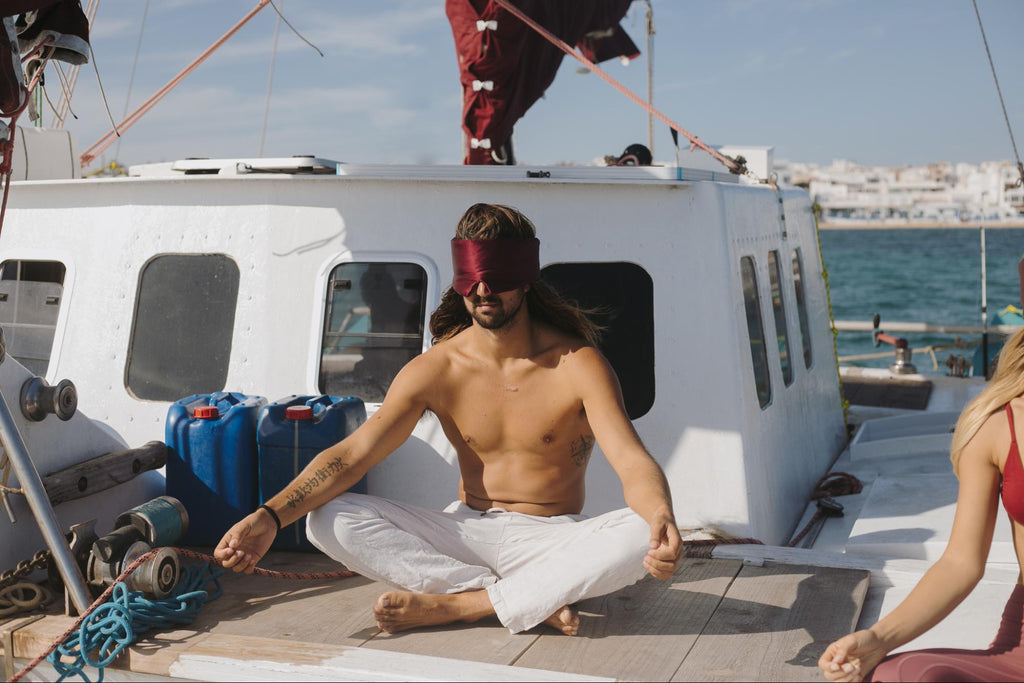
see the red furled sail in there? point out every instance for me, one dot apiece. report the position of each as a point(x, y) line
point(504, 66)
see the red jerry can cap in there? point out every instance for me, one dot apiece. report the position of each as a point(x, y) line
point(298, 413)
point(206, 413)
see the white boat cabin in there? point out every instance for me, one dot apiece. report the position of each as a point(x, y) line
point(302, 276)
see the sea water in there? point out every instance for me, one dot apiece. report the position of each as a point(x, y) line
point(919, 275)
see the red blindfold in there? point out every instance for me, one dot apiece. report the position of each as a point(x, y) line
point(501, 264)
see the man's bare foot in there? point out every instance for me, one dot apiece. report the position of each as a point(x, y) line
point(401, 611)
point(565, 620)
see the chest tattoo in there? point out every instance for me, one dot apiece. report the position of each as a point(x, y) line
point(580, 449)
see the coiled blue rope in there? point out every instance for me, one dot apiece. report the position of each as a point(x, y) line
point(116, 624)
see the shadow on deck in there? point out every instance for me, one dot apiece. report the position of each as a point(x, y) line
point(715, 620)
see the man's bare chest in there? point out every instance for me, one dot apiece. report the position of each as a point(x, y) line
point(534, 412)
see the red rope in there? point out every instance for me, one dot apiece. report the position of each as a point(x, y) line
point(728, 162)
point(270, 573)
point(135, 565)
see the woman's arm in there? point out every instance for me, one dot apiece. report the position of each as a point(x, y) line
point(948, 581)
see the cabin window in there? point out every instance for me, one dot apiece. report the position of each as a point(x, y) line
point(779, 311)
point(801, 305)
point(755, 330)
point(622, 297)
point(30, 296)
point(184, 319)
point(373, 326)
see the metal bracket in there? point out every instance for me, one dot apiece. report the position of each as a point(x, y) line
point(43, 512)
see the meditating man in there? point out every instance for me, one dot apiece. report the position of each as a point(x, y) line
point(523, 395)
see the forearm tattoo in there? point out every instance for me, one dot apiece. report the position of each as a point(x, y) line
point(320, 476)
point(580, 449)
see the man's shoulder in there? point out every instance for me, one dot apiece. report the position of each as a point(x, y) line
point(552, 339)
point(433, 360)
point(585, 359)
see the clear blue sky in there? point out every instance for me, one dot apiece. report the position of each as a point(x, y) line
point(874, 81)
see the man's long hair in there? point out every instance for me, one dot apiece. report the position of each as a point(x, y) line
point(544, 303)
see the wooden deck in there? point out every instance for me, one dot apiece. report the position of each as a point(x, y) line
point(715, 620)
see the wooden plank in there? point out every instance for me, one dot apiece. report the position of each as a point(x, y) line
point(336, 611)
point(233, 658)
point(642, 632)
point(484, 641)
point(774, 623)
point(37, 637)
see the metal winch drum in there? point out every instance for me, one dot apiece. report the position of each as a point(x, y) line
point(154, 524)
point(162, 521)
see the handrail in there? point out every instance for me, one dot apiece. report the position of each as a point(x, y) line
point(937, 328)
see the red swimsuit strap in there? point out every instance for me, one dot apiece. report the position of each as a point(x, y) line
point(1013, 434)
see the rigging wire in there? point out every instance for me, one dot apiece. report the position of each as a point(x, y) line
point(991, 64)
point(270, 80)
point(649, 28)
point(65, 92)
point(64, 104)
point(97, 147)
point(86, 157)
point(131, 78)
point(294, 30)
point(103, 94)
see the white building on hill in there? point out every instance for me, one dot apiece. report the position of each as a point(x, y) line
point(936, 194)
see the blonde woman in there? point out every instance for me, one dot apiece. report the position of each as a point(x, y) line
point(987, 460)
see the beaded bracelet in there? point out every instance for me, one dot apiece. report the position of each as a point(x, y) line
point(273, 515)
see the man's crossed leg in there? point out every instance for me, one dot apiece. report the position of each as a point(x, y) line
point(461, 564)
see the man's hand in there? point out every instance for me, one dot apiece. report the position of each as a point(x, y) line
point(665, 549)
point(246, 542)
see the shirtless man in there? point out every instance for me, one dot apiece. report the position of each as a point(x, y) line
point(522, 394)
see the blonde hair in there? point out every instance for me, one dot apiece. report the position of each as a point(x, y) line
point(1006, 384)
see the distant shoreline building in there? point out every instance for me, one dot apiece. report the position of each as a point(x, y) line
point(935, 195)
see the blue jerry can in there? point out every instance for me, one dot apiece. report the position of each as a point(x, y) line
point(290, 433)
point(212, 461)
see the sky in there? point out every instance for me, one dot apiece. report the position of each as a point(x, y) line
point(877, 82)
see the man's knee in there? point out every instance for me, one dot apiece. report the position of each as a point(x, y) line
point(627, 531)
point(333, 522)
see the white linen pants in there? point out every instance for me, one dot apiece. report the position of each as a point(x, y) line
point(530, 566)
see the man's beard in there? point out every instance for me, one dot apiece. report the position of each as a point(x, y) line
point(500, 318)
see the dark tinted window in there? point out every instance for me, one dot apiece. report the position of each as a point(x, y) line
point(184, 319)
point(373, 326)
point(779, 311)
point(623, 295)
point(755, 330)
point(801, 305)
point(30, 296)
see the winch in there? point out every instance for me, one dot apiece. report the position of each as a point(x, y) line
point(155, 524)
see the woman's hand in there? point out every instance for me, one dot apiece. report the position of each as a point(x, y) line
point(852, 657)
